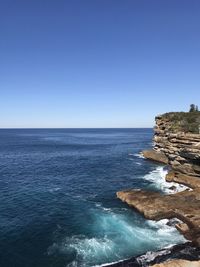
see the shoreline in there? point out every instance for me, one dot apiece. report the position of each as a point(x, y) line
point(179, 151)
point(181, 205)
point(167, 252)
point(183, 251)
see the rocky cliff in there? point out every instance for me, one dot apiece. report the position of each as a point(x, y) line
point(177, 144)
point(181, 148)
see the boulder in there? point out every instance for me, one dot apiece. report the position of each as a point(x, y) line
point(156, 156)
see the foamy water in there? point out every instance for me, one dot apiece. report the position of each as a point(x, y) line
point(120, 235)
point(157, 178)
point(58, 204)
point(124, 234)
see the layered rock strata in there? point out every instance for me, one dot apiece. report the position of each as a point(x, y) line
point(155, 156)
point(154, 206)
point(189, 181)
point(181, 149)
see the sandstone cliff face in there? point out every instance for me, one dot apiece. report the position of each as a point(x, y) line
point(182, 149)
point(176, 143)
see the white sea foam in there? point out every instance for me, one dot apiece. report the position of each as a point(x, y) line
point(51, 190)
point(107, 209)
point(87, 250)
point(157, 177)
point(138, 155)
point(117, 235)
point(162, 228)
point(114, 237)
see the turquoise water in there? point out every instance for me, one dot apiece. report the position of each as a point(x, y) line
point(58, 204)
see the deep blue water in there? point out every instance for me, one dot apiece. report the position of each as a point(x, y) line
point(58, 204)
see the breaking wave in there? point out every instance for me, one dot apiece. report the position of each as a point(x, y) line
point(157, 178)
point(138, 155)
point(115, 235)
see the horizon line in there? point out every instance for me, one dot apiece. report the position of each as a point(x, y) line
point(15, 128)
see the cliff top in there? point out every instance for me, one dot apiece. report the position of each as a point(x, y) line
point(188, 122)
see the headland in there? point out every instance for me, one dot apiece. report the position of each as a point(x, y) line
point(176, 144)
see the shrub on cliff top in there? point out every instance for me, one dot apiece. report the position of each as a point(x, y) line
point(193, 108)
point(187, 122)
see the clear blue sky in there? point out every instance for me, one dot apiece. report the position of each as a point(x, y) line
point(97, 63)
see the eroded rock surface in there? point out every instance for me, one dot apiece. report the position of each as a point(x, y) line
point(190, 181)
point(181, 149)
point(177, 145)
point(155, 155)
point(154, 206)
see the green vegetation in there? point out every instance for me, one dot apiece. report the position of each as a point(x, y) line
point(188, 122)
point(193, 108)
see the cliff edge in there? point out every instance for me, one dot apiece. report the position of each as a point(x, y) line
point(177, 144)
point(178, 139)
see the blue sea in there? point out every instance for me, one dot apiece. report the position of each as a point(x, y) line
point(58, 204)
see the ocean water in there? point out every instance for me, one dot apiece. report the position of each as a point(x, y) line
point(58, 204)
